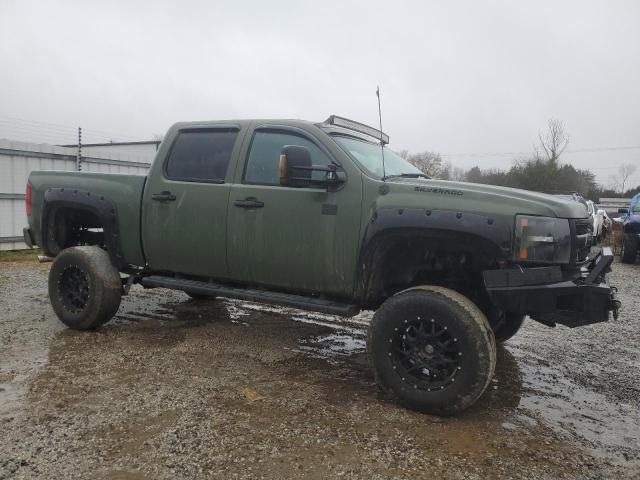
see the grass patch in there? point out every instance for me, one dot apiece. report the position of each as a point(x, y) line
point(19, 255)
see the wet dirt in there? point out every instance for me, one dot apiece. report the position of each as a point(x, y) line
point(177, 388)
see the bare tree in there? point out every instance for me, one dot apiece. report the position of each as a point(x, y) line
point(457, 173)
point(428, 162)
point(448, 171)
point(624, 172)
point(552, 142)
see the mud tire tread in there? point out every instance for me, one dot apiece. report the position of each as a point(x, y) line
point(105, 287)
point(478, 329)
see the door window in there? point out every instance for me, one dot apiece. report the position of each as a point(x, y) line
point(201, 155)
point(263, 160)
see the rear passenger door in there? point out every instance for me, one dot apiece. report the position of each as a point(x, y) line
point(185, 203)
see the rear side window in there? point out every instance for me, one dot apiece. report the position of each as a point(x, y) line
point(263, 161)
point(201, 155)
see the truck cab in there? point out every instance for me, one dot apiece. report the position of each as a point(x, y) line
point(216, 208)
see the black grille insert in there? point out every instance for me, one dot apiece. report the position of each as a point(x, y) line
point(582, 232)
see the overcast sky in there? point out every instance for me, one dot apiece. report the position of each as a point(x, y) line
point(465, 79)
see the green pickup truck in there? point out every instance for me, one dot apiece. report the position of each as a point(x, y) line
point(325, 217)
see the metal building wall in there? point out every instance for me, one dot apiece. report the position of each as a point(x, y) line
point(134, 149)
point(18, 159)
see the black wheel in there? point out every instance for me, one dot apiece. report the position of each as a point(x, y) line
point(200, 296)
point(629, 248)
point(433, 349)
point(504, 324)
point(84, 287)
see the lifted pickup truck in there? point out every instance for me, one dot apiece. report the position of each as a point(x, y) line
point(324, 217)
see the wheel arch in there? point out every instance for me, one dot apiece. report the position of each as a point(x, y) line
point(402, 249)
point(67, 211)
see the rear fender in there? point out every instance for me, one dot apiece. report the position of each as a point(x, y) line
point(98, 205)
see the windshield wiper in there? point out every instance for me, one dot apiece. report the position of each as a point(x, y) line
point(407, 175)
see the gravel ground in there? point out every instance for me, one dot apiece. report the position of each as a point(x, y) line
point(174, 388)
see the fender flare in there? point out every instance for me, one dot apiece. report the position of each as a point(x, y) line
point(389, 224)
point(100, 206)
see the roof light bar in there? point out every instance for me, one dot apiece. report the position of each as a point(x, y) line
point(358, 127)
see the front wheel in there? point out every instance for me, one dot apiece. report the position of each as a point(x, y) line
point(84, 287)
point(433, 349)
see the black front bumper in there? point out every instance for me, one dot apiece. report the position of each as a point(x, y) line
point(551, 295)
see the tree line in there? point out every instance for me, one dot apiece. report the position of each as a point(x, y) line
point(543, 171)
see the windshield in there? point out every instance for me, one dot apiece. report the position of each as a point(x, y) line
point(369, 156)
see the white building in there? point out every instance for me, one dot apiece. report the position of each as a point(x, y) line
point(18, 159)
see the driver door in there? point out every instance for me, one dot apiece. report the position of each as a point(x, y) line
point(301, 239)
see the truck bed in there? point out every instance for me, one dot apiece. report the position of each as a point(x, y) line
point(124, 191)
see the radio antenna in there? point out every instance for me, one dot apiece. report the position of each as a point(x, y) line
point(384, 173)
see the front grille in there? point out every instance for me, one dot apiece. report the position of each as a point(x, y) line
point(582, 236)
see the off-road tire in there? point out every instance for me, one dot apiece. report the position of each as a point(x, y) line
point(505, 325)
point(629, 249)
point(84, 287)
point(466, 326)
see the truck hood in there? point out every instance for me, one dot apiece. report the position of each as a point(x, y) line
point(478, 198)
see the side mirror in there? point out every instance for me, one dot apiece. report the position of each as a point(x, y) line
point(295, 166)
point(295, 169)
point(623, 210)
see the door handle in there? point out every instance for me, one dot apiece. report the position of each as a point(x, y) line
point(163, 197)
point(249, 202)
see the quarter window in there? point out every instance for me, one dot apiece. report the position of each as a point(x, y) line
point(201, 155)
point(262, 164)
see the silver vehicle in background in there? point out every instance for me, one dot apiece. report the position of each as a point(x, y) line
point(597, 216)
point(607, 223)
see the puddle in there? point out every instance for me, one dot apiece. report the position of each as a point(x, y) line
point(575, 411)
point(532, 390)
point(528, 391)
point(9, 395)
point(526, 384)
point(20, 362)
point(333, 345)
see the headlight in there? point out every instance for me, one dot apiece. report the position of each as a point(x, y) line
point(542, 240)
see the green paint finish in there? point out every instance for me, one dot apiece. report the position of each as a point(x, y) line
point(189, 234)
point(301, 239)
point(124, 191)
point(294, 242)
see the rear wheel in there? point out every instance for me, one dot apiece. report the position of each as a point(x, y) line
point(629, 248)
point(433, 349)
point(84, 287)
